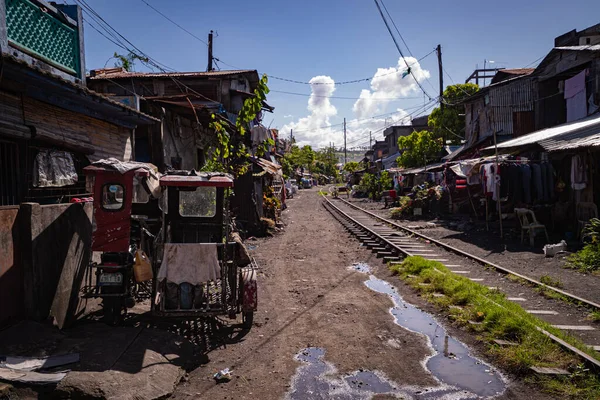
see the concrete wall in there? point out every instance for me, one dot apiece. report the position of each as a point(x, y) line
point(11, 272)
point(51, 248)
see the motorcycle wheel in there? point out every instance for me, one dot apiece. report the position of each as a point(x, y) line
point(247, 319)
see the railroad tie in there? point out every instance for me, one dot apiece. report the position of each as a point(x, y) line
point(476, 279)
point(460, 272)
point(550, 371)
point(542, 312)
point(574, 327)
point(515, 299)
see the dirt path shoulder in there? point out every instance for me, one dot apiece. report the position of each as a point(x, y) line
point(309, 298)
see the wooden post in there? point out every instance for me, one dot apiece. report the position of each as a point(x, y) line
point(497, 184)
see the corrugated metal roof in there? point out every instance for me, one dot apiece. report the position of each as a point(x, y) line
point(428, 168)
point(572, 134)
point(112, 74)
point(84, 90)
point(595, 47)
point(517, 71)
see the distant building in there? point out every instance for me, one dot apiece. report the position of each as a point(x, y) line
point(586, 37)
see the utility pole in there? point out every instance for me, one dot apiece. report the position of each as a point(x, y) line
point(370, 139)
point(210, 52)
point(291, 137)
point(441, 73)
point(345, 152)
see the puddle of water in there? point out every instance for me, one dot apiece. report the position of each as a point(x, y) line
point(361, 267)
point(318, 379)
point(452, 364)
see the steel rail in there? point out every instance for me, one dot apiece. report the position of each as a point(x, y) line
point(446, 246)
point(585, 357)
point(370, 231)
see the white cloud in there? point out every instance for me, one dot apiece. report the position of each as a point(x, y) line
point(288, 116)
point(386, 84)
point(316, 129)
point(321, 110)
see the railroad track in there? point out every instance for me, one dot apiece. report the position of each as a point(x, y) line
point(392, 242)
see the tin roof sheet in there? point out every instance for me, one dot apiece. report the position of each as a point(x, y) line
point(571, 134)
point(112, 74)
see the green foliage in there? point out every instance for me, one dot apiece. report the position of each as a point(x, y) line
point(592, 230)
point(503, 319)
point(586, 259)
point(373, 184)
point(385, 181)
point(370, 184)
point(127, 62)
point(231, 155)
point(450, 124)
point(352, 166)
point(418, 149)
point(321, 162)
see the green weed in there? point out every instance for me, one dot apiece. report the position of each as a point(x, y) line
point(594, 316)
point(501, 319)
point(550, 281)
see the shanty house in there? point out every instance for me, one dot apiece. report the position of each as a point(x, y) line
point(184, 102)
point(51, 126)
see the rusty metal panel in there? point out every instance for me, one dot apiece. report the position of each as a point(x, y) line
point(523, 123)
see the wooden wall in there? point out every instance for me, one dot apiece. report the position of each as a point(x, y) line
point(63, 128)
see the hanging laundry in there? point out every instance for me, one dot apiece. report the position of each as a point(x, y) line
point(514, 183)
point(578, 173)
point(526, 180)
point(54, 168)
point(576, 97)
point(549, 182)
point(536, 176)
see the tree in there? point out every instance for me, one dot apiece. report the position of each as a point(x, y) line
point(352, 166)
point(418, 148)
point(127, 62)
point(450, 124)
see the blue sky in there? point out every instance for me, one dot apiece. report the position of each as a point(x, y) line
point(340, 40)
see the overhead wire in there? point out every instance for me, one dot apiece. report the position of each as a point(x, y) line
point(420, 109)
point(350, 81)
point(356, 120)
point(402, 38)
point(400, 50)
point(151, 62)
point(174, 23)
point(342, 97)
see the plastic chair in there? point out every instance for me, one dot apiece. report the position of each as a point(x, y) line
point(585, 212)
point(530, 224)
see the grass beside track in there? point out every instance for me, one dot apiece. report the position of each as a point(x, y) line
point(497, 318)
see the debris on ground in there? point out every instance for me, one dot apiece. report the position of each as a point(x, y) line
point(550, 250)
point(223, 375)
point(36, 363)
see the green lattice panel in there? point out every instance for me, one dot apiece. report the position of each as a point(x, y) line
point(42, 34)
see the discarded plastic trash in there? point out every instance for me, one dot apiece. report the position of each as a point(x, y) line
point(35, 363)
point(550, 250)
point(223, 375)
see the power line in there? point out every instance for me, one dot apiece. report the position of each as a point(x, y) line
point(420, 109)
point(145, 58)
point(346, 82)
point(400, 50)
point(343, 98)
point(357, 120)
point(174, 23)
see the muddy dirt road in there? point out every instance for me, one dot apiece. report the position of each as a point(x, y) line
point(311, 297)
